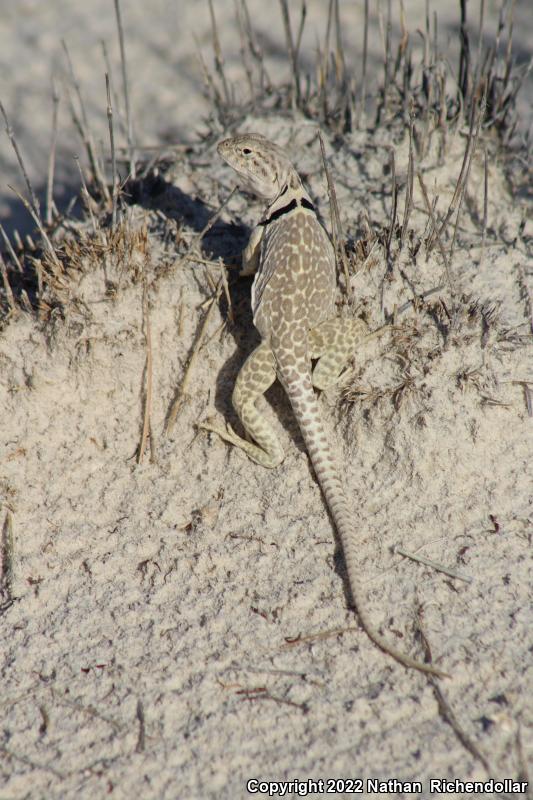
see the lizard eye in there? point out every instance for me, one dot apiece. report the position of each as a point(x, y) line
point(246, 151)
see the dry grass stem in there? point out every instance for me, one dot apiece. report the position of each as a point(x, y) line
point(148, 371)
point(141, 740)
point(336, 226)
point(431, 214)
point(428, 563)
point(219, 59)
point(6, 559)
point(10, 250)
point(125, 87)
point(52, 158)
point(82, 126)
point(113, 158)
point(446, 711)
point(87, 200)
point(408, 205)
point(11, 135)
point(7, 287)
point(362, 102)
point(48, 246)
point(295, 80)
point(394, 207)
point(182, 390)
point(215, 217)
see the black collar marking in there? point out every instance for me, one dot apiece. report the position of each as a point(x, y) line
point(303, 203)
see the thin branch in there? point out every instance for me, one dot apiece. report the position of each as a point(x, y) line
point(11, 135)
point(182, 390)
point(47, 243)
point(446, 712)
point(336, 226)
point(408, 206)
point(362, 108)
point(219, 59)
point(295, 78)
point(83, 128)
point(52, 158)
point(6, 558)
point(429, 563)
point(146, 429)
point(394, 208)
point(113, 159)
point(7, 287)
point(125, 85)
point(439, 240)
point(10, 249)
point(85, 194)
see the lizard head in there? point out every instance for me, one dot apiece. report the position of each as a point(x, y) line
point(263, 167)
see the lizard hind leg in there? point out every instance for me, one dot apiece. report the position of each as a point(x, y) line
point(332, 343)
point(256, 376)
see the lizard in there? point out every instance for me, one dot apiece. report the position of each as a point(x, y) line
point(293, 303)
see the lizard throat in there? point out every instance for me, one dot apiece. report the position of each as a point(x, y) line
point(280, 212)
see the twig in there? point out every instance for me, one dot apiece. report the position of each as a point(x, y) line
point(336, 227)
point(148, 369)
point(125, 86)
point(439, 240)
point(182, 390)
point(192, 254)
point(447, 571)
point(113, 159)
point(214, 218)
point(317, 637)
point(394, 207)
point(11, 135)
point(485, 206)
point(527, 395)
point(219, 59)
point(52, 158)
point(139, 747)
point(254, 47)
point(245, 50)
point(303, 15)
point(481, 114)
point(6, 558)
point(460, 188)
point(446, 711)
point(408, 206)
point(323, 66)
point(47, 243)
point(10, 249)
point(85, 194)
point(28, 762)
point(362, 107)
point(114, 94)
point(83, 128)
point(295, 77)
point(7, 287)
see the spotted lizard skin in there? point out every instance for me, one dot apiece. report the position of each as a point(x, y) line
point(293, 302)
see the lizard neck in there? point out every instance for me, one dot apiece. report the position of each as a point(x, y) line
point(292, 195)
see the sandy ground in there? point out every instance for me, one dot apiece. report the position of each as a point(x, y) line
point(182, 626)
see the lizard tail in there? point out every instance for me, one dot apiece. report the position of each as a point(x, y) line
point(307, 412)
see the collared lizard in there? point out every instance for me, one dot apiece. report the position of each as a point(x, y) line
point(293, 302)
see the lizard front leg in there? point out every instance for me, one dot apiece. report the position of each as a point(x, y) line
point(251, 253)
point(256, 376)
